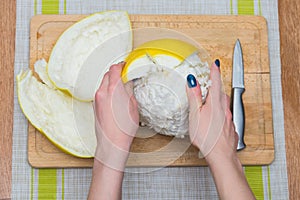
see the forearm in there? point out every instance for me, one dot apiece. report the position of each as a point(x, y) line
point(106, 182)
point(230, 180)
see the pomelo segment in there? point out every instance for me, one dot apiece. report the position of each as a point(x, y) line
point(69, 67)
point(66, 122)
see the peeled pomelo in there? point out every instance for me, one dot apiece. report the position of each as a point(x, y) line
point(84, 51)
point(159, 69)
point(65, 121)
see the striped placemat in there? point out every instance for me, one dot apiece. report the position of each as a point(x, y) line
point(267, 182)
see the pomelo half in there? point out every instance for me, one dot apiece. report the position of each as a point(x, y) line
point(66, 122)
point(85, 50)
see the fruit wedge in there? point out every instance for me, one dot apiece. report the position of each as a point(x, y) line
point(84, 51)
point(67, 122)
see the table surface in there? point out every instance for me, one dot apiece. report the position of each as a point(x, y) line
point(290, 63)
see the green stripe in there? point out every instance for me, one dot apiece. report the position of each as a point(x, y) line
point(269, 183)
point(35, 7)
point(259, 7)
point(47, 184)
point(255, 180)
point(231, 7)
point(65, 6)
point(63, 183)
point(50, 6)
point(245, 7)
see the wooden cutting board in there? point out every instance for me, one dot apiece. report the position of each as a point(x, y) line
point(217, 34)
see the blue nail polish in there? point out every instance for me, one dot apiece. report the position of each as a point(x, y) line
point(191, 80)
point(217, 62)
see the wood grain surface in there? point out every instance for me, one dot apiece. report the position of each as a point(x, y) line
point(7, 45)
point(290, 46)
point(217, 34)
point(289, 22)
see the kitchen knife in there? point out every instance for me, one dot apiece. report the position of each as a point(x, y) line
point(238, 88)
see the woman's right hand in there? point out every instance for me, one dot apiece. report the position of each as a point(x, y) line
point(211, 129)
point(210, 124)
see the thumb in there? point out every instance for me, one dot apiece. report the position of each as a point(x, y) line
point(194, 93)
point(129, 88)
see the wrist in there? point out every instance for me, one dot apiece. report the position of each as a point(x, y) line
point(112, 155)
point(115, 162)
point(229, 177)
point(223, 161)
point(101, 168)
point(106, 182)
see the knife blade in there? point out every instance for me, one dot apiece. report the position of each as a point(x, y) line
point(238, 89)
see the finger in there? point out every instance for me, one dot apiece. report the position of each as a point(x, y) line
point(227, 108)
point(103, 86)
point(194, 93)
point(129, 88)
point(115, 73)
point(236, 140)
point(105, 82)
point(217, 63)
point(215, 78)
point(227, 101)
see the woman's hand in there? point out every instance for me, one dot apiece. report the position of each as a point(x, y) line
point(211, 130)
point(117, 119)
point(210, 125)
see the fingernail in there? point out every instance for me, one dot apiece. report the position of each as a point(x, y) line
point(191, 80)
point(122, 62)
point(217, 62)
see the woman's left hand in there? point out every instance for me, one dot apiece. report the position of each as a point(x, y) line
point(116, 118)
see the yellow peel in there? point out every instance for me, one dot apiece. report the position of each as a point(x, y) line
point(168, 47)
point(51, 112)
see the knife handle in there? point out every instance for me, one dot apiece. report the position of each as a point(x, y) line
point(239, 116)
